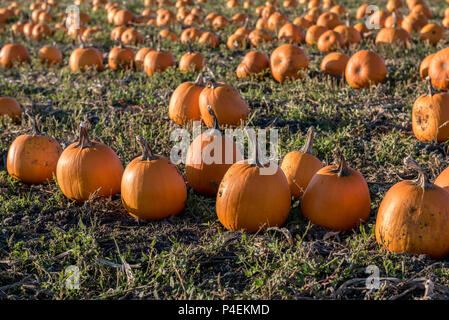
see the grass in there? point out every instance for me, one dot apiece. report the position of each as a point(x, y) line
point(192, 255)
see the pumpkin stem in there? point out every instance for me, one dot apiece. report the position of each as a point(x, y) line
point(13, 37)
point(215, 124)
point(32, 118)
point(83, 136)
point(255, 144)
point(147, 154)
point(199, 80)
point(343, 169)
point(308, 146)
point(83, 44)
point(348, 23)
point(430, 88)
point(422, 180)
point(211, 83)
point(159, 43)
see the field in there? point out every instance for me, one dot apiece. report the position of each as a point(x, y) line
point(192, 256)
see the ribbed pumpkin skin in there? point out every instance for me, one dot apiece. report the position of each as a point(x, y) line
point(32, 158)
point(202, 175)
point(153, 189)
point(414, 220)
point(247, 200)
point(229, 106)
point(299, 168)
point(184, 103)
point(334, 202)
point(81, 171)
point(429, 114)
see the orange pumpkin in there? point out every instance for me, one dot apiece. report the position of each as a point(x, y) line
point(168, 34)
point(330, 41)
point(208, 158)
point(228, 105)
point(131, 37)
point(50, 56)
point(257, 37)
point(13, 53)
point(393, 36)
point(439, 69)
point(424, 66)
point(413, 217)
point(236, 42)
point(32, 158)
point(209, 39)
point(443, 180)
point(287, 61)
point(300, 166)
point(158, 61)
point(430, 117)
point(11, 108)
point(335, 63)
point(314, 33)
point(303, 23)
point(276, 21)
point(329, 20)
point(85, 58)
point(140, 57)
point(184, 104)
point(291, 33)
point(123, 17)
point(152, 186)
point(365, 68)
point(88, 167)
point(337, 197)
point(349, 34)
point(431, 33)
point(253, 63)
point(121, 57)
point(250, 200)
point(116, 33)
point(192, 61)
point(190, 35)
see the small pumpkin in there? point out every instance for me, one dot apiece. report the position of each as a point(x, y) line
point(168, 35)
point(192, 61)
point(250, 200)
point(123, 17)
point(9, 107)
point(13, 53)
point(287, 61)
point(300, 166)
point(257, 37)
point(116, 33)
point(190, 35)
point(88, 167)
point(291, 33)
point(303, 23)
point(276, 20)
point(236, 42)
point(84, 58)
point(131, 36)
point(393, 36)
point(314, 33)
point(439, 69)
point(430, 117)
point(431, 33)
point(152, 186)
point(121, 57)
point(32, 157)
point(329, 20)
point(365, 68)
point(158, 61)
point(413, 217)
point(50, 55)
point(337, 197)
point(228, 105)
point(334, 63)
point(330, 41)
point(184, 102)
point(209, 39)
point(208, 158)
point(140, 57)
point(253, 63)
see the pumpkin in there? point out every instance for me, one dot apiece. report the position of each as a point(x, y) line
point(300, 166)
point(244, 30)
point(335, 63)
point(249, 199)
point(227, 103)
point(394, 5)
point(431, 33)
point(377, 19)
point(443, 180)
point(168, 34)
point(253, 63)
point(184, 102)
point(45, 17)
point(291, 33)
point(424, 66)
point(152, 186)
point(49, 55)
point(329, 20)
point(192, 19)
point(192, 61)
point(131, 37)
point(303, 23)
point(394, 20)
point(208, 158)
point(422, 9)
point(165, 17)
point(349, 34)
point(239, 19)
point(337, 197)
point(287, 61)
point(32, 158)
point(267, 11)
point(365, 68)
point(190, 35)
point(11, 108)
point(209, 39)
point(220, 22)
point(363, 30)
point(314, 33)
point(257, 37)
point(290, 3)
point(140, 57)
point(158, 61)
point(393, 36)
point(414, 22)
point(13, 53)
point(116, 33)
point(210, 17)
point(430, 117)
point(84, 58)
point(236, 42)
point(439, 69)
point(276, 21)
point(262, 24)
point(413, 217)
point(123, 17)
point(330, 41)
point(121, 57)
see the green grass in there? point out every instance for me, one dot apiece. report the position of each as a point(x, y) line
point(192, 255)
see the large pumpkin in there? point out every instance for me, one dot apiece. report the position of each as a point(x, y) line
point(228, 105)
point(249, 200)
point(208, 158)
point(413, 217)
point(88, 166)
point(152, 187)
point(32, 158)
point(184, 102)
point(337, 197)
point(365, 68)
point(430, 117)
point(287, 61)
point(300, 166)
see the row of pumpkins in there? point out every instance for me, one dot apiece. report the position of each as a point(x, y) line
point(413, 216)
